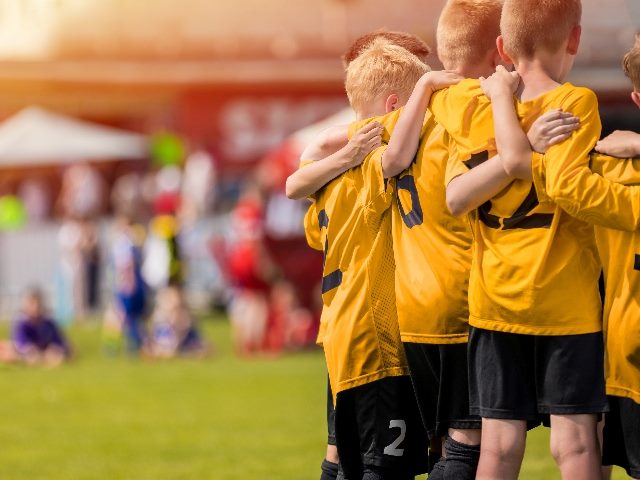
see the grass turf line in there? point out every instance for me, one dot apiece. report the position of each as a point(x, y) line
point(222, 418)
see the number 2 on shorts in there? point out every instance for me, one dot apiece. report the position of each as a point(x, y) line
point(393, 449)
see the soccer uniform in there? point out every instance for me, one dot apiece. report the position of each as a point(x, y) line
point(375, 424)
point(534, 303)
point(621, 265)
point(432, 251)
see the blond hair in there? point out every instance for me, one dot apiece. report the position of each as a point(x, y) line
point(409, 41)
point(631, 64)
point(467, 31)
point(382, 69)
point(528, 25)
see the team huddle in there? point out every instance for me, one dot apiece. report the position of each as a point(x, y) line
point(466, 218)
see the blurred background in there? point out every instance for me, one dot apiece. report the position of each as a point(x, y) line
point(144, 148)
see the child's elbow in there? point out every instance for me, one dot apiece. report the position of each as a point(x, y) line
point(290, 191)
point(457, 206)
point(392, 164)
point(510, 165)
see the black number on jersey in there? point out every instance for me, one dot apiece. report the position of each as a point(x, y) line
point(521, 217)
point(334, 279)
point(414, 217)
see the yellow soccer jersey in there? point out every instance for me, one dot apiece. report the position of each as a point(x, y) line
point(314, 239)
point(620, 255)
point(361, 338)
point(432, 248)
point(535, 267)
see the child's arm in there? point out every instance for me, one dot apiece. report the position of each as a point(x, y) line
point(511, 142)
point(621, 144)
point(338, 154)
point(565, 176)
point(404, 141)
point(470, 190)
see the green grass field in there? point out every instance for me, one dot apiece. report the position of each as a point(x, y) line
point(220, 419)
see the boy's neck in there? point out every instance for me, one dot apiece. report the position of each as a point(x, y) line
point(365, 114)
point(537, 77)
point(474, 71)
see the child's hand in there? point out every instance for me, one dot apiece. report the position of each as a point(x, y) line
point(621, 144)
point(502, 82)
point(438, 79)
point(554, 127)
point(365, 140)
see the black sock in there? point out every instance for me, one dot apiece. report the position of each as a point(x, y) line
point(372, 472)
point(329, 470)
point(462, 460)
point(437, 471)
point(434, 458)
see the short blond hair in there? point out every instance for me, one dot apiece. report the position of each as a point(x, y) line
point(382, 69)
point(409, 41)
point(530, 25)
point(467, 30)
point(631, 64)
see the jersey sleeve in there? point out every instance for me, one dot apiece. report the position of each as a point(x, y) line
point(377, 193)
point(465, 113)
point(570, 183)
point(312, 228)
point(455, 166)
point(625, 171)
point(538, 173)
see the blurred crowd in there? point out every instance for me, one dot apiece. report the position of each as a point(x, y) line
point(143, 252)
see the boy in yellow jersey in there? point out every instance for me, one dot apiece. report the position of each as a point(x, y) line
point(378, 431)
point(534, 301)
point(341, 154)
point(619, 252)
point(432, 248)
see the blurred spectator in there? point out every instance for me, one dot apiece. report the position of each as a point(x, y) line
point(129, 288)
point(36, 196)
point(249, 271)
point(289, 323)
point(80, 263)
point(173, 327)
point(83, 192)
point(81, 201)
point(36, 339)
point(163, 263)
point(198, 186)
point(127, 197)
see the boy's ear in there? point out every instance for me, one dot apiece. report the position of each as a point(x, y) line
point(500, 44)
point(496, 59)
point(574, 40)
point(391, 103)
point(635, 96)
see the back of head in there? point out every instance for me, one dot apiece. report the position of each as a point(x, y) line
point(408, 41)
point(467, 31)
point(33, 302)
point(631, 64)
point(531, 25)
point(381, 70)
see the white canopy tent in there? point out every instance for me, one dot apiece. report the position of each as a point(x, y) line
point(35, 136)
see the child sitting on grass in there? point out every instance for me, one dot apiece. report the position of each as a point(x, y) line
point(174, 332)
point(36, 339)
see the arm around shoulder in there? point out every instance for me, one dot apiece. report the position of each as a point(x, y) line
point(322, 161)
